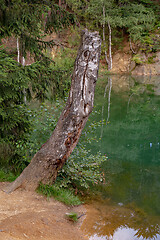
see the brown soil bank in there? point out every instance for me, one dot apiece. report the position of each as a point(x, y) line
point(27, 215)
point(123, 63)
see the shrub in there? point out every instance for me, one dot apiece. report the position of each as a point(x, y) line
point(81, 169)
point(44, 119)
point(136, 58)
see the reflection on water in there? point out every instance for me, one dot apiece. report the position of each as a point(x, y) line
point(122, 233)
point(107, 220)
point(130, 137)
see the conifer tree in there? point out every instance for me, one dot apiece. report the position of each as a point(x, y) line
point(137, 19)
point(29, 22)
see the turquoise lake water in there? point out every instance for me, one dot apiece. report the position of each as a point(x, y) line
point(129, 135)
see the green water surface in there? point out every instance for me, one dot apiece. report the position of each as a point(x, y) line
point(129, 111)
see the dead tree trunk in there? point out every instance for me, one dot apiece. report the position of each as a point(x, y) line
point(53, 154)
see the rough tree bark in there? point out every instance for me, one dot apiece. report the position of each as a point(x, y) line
point(53, 154)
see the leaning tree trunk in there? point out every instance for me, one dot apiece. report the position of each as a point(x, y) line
point(53, 154)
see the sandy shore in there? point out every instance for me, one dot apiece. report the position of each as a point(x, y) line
point(28, 215)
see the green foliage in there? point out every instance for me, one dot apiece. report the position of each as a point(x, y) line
point(81, 169)
point(62, 195)
point(138, 20)
point(78, 7)
point(57, 18)
point(151, 59)
point(31, 21)
point(72, 216)
point(74, 40)
point(14, 117)
point(7, 176)
point(28, 21)
point(63, 69)
point(136, 58)
point(112, 13)
point(151, 42)
point(44, 119)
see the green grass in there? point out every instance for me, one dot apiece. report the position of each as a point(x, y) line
point(6, 176)
point(72, 216)
point(62, 195)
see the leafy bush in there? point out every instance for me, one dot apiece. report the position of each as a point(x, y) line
point(81, 169)
point(44, 119)
point(151, 42)
point(63, 68)
point(136, 58)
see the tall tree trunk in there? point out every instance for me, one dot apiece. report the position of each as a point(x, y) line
point(110, 47)
point(23, 64)
point(24, 90)
point(53, 154)
point(18, 51)
point(108, 59)
point(104, 39)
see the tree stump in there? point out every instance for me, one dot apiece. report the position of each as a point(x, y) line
point(53, 154)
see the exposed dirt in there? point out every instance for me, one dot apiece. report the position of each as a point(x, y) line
point(28, 215)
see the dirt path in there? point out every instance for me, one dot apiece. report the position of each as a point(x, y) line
point(27, 215)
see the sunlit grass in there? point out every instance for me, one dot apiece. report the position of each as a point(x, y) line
point(62, 195)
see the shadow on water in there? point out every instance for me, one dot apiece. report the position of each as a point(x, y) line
point(130, 136)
